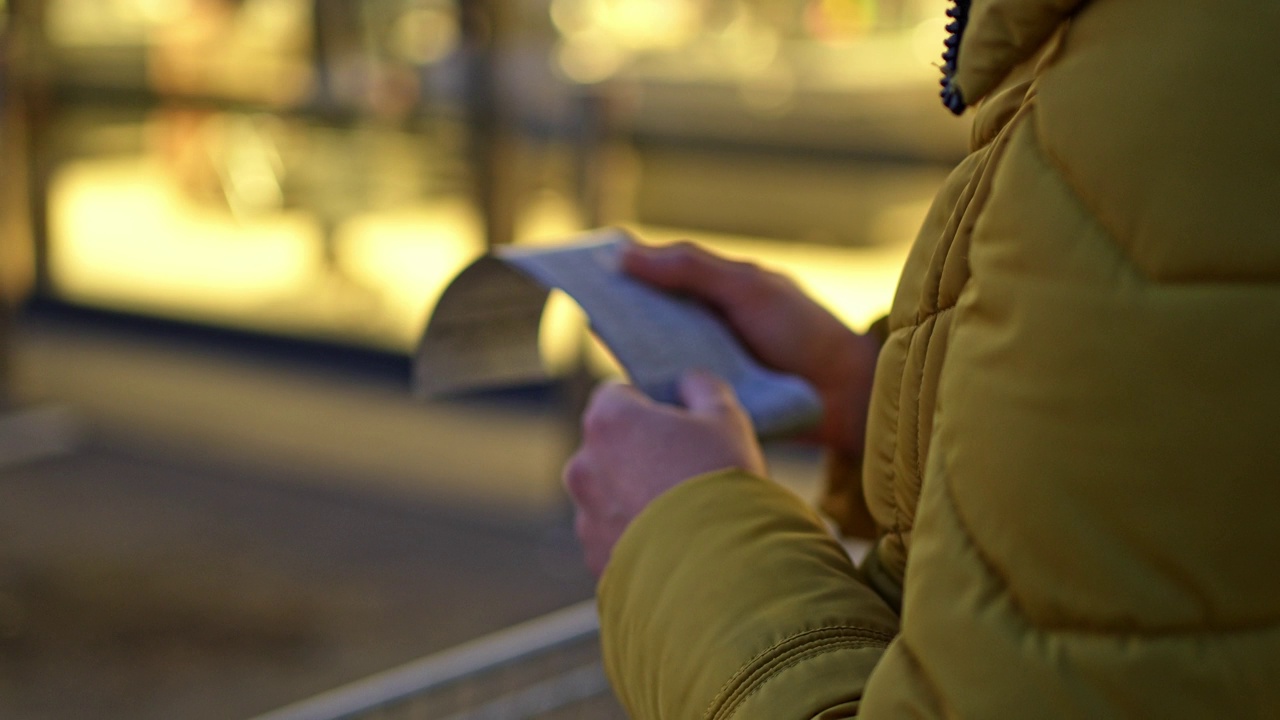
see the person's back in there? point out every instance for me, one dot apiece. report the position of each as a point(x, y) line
point(1098, 481)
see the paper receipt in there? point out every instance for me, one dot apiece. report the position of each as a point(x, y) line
point(484, 331)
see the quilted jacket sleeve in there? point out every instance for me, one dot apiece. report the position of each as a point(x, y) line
point(728, 598)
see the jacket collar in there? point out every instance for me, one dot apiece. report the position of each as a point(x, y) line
point(988, 38)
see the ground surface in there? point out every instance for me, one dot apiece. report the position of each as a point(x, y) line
point(152, 573)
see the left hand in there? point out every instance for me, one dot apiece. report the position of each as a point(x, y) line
point(635, 449)
point(782, 326)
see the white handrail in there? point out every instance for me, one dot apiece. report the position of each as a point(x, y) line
point(504, 647)
point(574, 686)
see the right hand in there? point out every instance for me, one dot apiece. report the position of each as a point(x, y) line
point(634, 449)
point(784, 328)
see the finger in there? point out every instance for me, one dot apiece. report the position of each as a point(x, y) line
point(597, 559)
point(581, 527)
point(704, 394)
point(686, 267)
point(614, 391)
point(610, 403)
point(577, 479)
point(595, 554)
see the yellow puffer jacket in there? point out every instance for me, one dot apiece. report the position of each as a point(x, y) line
point(1073, 453)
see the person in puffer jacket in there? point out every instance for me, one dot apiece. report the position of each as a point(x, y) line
point(1065, 437)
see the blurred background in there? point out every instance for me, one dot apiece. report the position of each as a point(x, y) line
point(223, 225)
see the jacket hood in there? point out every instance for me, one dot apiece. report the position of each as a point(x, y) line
point(991, 37)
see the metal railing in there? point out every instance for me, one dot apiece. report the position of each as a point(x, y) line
point(547, 668)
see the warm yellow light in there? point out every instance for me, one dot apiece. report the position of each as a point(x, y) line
point(563, 339)
point(749, 46)
point(628, 25)
point(547, 219)
point(425, 35)
point(927, 40)
point(589, 57)
point(160, 12)
point(124, 237)
point(409, 256)
point(571, 16)
point(121, 232)
point(650, 24)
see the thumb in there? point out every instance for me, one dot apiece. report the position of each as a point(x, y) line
point(681, 266)
point(688, 268)
point(652, 263)
point(706, 394)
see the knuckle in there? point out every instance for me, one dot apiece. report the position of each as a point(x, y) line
point(596, 563)
point(724, 401)
point(777, 279)
point(576, 477)
point(610, 405)
point(687, 257)
point(595, 417)
point(764, 282)
point(596, 421)
point(748, 282)
point(685, 247)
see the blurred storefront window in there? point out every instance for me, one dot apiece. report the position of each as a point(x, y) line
point(320, 168)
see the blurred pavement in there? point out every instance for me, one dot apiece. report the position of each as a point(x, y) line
point(232, 532)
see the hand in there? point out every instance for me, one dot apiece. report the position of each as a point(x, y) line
point(634, 449)
point(784, 328)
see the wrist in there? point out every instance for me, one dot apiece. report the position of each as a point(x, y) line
point(845, 389)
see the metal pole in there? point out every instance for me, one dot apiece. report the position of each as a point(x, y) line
point(561, 628)
point(491, 142)
point(30, 91)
